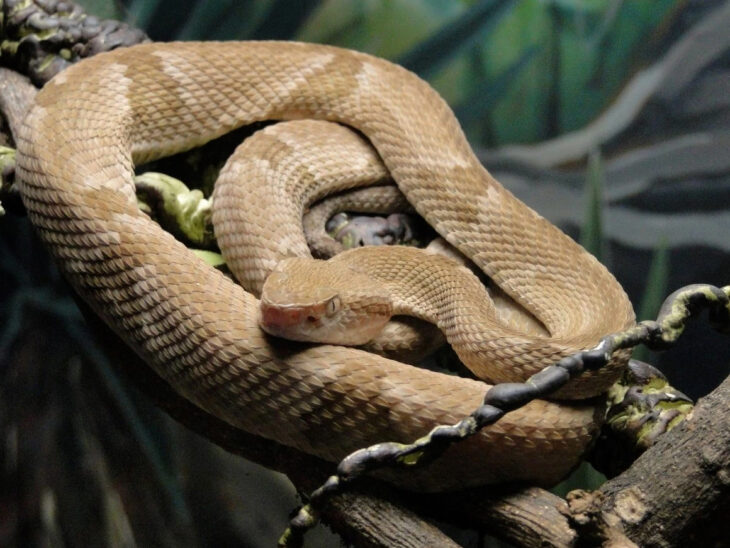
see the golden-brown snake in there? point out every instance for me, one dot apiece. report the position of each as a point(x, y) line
point(198, 330)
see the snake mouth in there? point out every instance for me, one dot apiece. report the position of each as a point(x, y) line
point(284, 316)
point(288, 321)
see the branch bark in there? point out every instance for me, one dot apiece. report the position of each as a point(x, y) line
point(16, 97)
point(677, 493)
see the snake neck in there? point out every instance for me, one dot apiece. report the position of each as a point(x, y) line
point(497, 343)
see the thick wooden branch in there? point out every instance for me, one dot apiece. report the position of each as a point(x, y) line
point(677, 493)
point(530, 517)
point(378, 520)
point(16, 96)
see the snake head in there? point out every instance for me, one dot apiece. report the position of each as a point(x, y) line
point(317, 301)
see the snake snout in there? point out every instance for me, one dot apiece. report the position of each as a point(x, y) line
point(280, 317)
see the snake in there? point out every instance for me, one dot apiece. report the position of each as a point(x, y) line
point(198, 330)
point(281, 170)
point(284, 169)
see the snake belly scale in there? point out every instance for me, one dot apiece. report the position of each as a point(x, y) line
point(198, 330)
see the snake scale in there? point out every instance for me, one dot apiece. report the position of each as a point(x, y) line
point(198, 330)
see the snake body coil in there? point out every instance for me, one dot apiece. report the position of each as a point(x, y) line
point(198, 330)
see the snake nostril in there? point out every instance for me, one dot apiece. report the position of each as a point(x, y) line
point(311, 319)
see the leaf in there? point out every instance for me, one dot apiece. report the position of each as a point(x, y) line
point(142, 12)
point(104, 9)
point(584, 477)
point(210, 257)
point(203, 19)
point(489, 90)
point(283, 18)
point(453, 38)
point(654, 293)
point(591, 235)
point(386, 29)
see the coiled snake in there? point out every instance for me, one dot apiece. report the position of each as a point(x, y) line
point(198, 330)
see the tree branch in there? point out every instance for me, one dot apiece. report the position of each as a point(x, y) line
point(16, 97)
point(677, 493)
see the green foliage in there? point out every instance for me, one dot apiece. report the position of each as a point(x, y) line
point(209, 19)
point(584, 477)
point(591, 235)
point(657, 282)
point(467, 30)
point(573, 55)
point(486, 94)
point(598, 48)
point(106, 9)
point(386, 29)
point(141, 13)
point(592, 239)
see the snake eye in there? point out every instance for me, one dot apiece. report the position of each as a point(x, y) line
point(333, 305)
